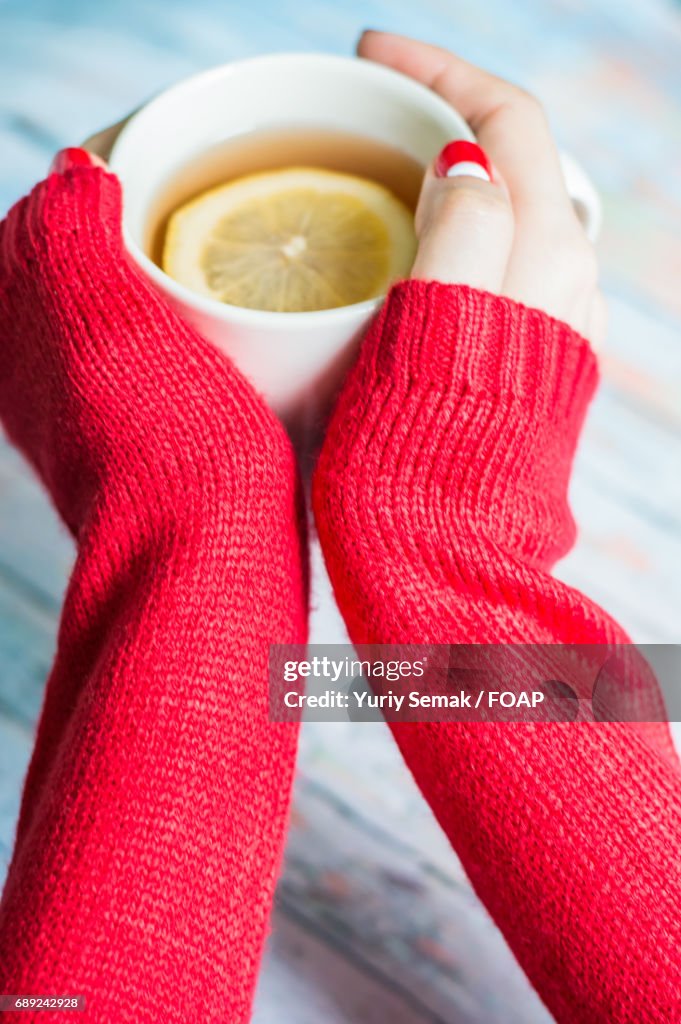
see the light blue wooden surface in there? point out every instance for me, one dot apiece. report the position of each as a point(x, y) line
point(375, 920)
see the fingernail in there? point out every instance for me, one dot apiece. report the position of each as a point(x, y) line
point(463, 158)
point(72, 156)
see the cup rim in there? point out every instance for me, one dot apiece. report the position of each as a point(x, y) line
point(268, 318)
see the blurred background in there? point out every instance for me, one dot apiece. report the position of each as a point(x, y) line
point(375, 920)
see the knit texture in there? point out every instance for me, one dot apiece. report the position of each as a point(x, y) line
point(440, 500)
point(154, 811)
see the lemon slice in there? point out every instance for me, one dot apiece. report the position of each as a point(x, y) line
point(291, 240)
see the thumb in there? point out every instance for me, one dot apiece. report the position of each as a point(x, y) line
point(76, 209)
point(80, 199)
point(464, 221)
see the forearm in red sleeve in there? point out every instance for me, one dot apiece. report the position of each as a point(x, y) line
point(154, 812)
point(441, 503)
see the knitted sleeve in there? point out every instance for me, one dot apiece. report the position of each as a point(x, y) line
point(440, 501)
point(154, 810)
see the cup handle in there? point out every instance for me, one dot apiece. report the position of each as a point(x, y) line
point(584, 196)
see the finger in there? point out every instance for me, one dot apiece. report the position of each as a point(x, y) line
point(508, 122)
point(79, 208)
point(464, 225)
point(101, 143)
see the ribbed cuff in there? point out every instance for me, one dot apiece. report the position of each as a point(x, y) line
point(460, 340)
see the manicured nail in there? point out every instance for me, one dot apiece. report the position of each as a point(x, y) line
point(72, 156)
point(463, 158)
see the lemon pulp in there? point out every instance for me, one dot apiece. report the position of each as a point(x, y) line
point(291, 240)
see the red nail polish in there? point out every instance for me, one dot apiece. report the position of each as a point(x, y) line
point(460, 152)
point(67, 159)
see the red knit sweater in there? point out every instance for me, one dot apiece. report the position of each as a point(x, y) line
point(154, 811)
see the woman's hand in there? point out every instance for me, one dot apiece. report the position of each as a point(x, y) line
point(440, 499)
point(89, 340)
point(518, 236)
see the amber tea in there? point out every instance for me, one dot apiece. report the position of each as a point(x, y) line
point(269, 149)
point(289, 221)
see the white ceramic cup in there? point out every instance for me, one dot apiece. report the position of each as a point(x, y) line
point(296, 360)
